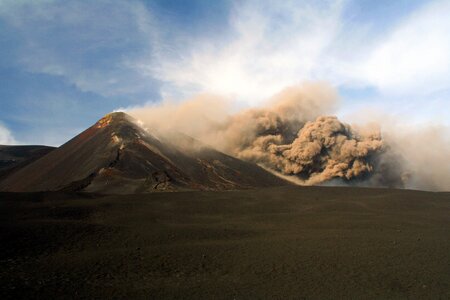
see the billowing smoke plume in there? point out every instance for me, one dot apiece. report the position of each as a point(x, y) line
point(293, 136)
point(322, 150)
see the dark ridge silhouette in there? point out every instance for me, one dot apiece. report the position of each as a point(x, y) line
point(13, 158)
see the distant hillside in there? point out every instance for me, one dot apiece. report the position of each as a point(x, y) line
point(13, 158)
point(115, 155)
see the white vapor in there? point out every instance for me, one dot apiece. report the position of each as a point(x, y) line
point(6, 137)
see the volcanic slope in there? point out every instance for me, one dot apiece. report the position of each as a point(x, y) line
point(116, 155)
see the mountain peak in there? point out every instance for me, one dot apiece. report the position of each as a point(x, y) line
point(112, 118)
point(116, 155)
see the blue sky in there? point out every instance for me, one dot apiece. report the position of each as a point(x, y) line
point(64, 64)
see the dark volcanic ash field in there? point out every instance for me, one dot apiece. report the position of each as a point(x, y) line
point(270, 243)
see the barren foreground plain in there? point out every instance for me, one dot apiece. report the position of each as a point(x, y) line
point(269, 243)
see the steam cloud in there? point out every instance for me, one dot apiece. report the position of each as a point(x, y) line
point(295, 136)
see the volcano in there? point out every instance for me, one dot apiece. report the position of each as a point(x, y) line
point(116, 155)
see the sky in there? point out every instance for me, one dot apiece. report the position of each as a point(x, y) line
point(65, 64)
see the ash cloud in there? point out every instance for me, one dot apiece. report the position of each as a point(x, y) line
point(295, 136)
point(419, 154)
point(322, 150)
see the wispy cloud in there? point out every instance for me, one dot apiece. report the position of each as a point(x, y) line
point(124, 48)
point(415, 57)
point(92, 45)
point(271, 44)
